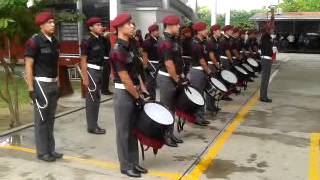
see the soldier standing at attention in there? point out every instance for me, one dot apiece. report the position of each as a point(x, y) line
point(41, 63)
point(266, 61)
point(127, 100)
point(93, 53)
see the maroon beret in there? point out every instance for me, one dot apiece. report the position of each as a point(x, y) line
point(93, 20)
point(121, 19)
point(235, 30)
point(153, 27)
point(171, 20)
point(199, 26)
point(227, 28)
point(43, 17)
point(215, 27)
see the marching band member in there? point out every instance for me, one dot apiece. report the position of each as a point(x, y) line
point(171, 77)
point(93, 53)
point(266, 61)
point(127, 100)
point(200, 70)
point(41, 63)
point(150, 54)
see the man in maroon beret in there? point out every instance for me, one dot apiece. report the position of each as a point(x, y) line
point(200, 71)
point(127, 100)
point(94, 51)
point(41, 63)
point(150, 55)
point(170, 76)
point(186, 43)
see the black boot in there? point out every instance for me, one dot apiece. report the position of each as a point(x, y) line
point(168, 140)
point(176, 140)
point(131, 173)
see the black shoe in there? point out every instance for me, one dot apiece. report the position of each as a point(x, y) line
point(267, 100)
point(131, 173)
point(236, 91)
point(140, 169)
point(227, 98)
point(169, 142)
point(108, 93)
point(57, 155)
point(97, 131)
point(206, 122)
point(250, 80)
point(176, 140)
point(47, 158)
point(200, 123)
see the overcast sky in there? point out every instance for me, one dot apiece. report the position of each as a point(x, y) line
point(236, 4)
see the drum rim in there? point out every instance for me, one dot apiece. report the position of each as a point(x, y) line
point(225, 88)
point(239, 69)
point(162, 105)
point(252, 60)
point(248, 67)
point(199, 94)
point(227, 71)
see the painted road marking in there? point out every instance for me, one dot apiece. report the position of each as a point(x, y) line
point(315, 157)
point(217, 147)
point(221, 141)
point(101, 164)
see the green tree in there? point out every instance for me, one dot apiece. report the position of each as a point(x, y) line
point(300, 6)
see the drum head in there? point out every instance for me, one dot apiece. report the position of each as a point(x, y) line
point(158, 113)
point(194, 96)
point(229, 76)
point(247, 67)
point(252, 62)
point(219, 85)
point(241, 70)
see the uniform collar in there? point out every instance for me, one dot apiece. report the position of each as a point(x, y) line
point(168, 35)
point(94, 35)
point(46, 38)
point(123, 42)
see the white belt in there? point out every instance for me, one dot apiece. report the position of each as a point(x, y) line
point(155, 62)
point(119, 86)
point(197, 67)
point(164, 73)
point(46, 79)
point(224, 57)
point(210, 62)
point(188, 57)
point(93, 66)
point(241, 51)
point(234, 57)
point(266, 57)
point(105, 57)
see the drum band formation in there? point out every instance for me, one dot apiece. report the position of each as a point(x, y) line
point(161, 82)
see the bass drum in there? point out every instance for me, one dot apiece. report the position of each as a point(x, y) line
point(241, 73)
point(153, 120)
point(254, 64)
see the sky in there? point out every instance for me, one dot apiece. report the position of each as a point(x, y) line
point(235, 4)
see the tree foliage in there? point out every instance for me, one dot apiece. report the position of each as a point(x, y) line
point(300, 6)
point(238, 18)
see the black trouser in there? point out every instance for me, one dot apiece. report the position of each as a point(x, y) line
point(44, 136)
point(93, 100)
point(266, 65)
point(125, 116)
point(105, 78)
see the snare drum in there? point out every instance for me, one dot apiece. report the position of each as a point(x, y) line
point(249, 69)
point(241, 73)
point(253, 63)
point(228, 77)
point(189, 100)
point(216, 88)
point(153, 120)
